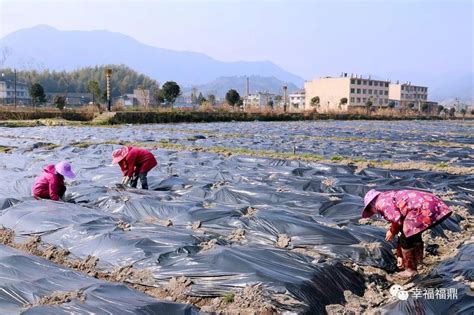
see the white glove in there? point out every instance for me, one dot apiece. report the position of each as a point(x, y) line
point(126, 180)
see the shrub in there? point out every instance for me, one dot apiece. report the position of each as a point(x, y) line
point(49, 114)
point(228, 298)
point(59, 102)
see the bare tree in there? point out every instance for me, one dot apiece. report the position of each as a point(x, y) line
point(144, 96)
point(67, 82)
point(6, 52)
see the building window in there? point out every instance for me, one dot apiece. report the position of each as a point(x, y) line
point(365, 82)
point(358, 91)
point(370, 83)
point(386, 93)
point(386, 84)
point(364, 91)
point(376, 83)
point(380, 101)
point(353, 81)
point(380, 92)
point(358, 100)
point(358, 82)
point(352, 90)
point(385, 101)
point(370, 91)
point(352, 100)
point(363, 99)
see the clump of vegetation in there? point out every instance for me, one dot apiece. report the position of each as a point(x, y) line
point(169, 92)
point(59, 102)
point(37, 94)
point(232, 97)
point(5, 149)
point(336, 158)
point(228, 298)
point(442, 164)
point(311, 156)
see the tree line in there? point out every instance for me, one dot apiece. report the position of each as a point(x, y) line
point(89, 79)
point(124, 80)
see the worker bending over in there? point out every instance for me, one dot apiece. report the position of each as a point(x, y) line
point(135, 164)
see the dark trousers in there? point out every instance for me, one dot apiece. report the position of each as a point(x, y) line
point(414, 240)
point(410, 242)
point(61, 192)
point(143, 181)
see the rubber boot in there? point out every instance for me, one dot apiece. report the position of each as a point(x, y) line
point(411, 263)
point(419, 250)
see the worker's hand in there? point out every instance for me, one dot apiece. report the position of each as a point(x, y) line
point(389, 236)
point(399, 262)
point(126, 180)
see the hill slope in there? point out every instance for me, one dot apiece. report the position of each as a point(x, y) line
point(43, 47)
point(221, 85)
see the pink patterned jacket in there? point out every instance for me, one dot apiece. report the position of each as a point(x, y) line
point(410, 211)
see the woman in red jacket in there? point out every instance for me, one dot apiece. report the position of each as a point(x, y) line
point(50, 185)
point(135, 163)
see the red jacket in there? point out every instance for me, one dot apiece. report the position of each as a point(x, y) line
point(49, 185)
point(137, 161)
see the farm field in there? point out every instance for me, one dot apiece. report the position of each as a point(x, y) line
point(246, 216)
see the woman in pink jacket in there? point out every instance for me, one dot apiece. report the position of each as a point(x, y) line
point(411, 212)
point(50, 185)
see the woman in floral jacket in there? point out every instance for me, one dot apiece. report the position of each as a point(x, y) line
point(411, 212)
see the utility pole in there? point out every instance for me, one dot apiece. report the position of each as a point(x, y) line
point(14, 85)
point(247, 89)
point(3, 100)
point(285, 93)
point(108, 73)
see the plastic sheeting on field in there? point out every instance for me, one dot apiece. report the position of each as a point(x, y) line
point(408, 140)
point(457, 297)
point(25, 279)
point(241, 206)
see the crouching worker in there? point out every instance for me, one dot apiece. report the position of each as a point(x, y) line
point(135, 164)
point(411, 212)
point(50, 185)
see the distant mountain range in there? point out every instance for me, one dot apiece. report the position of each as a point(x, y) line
point(221, 85)
point(43, 47)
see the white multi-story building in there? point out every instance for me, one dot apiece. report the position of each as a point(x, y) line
point(7, 93)
point(406, 93)
point(140, 97)
point(344, 92)
point(296, 101)
point(259, 100)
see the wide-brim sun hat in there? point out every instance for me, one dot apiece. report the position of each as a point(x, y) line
point(119, 154)
point(65, 169)
point(369, 197)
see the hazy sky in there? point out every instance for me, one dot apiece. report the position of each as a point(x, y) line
point(388, 38)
